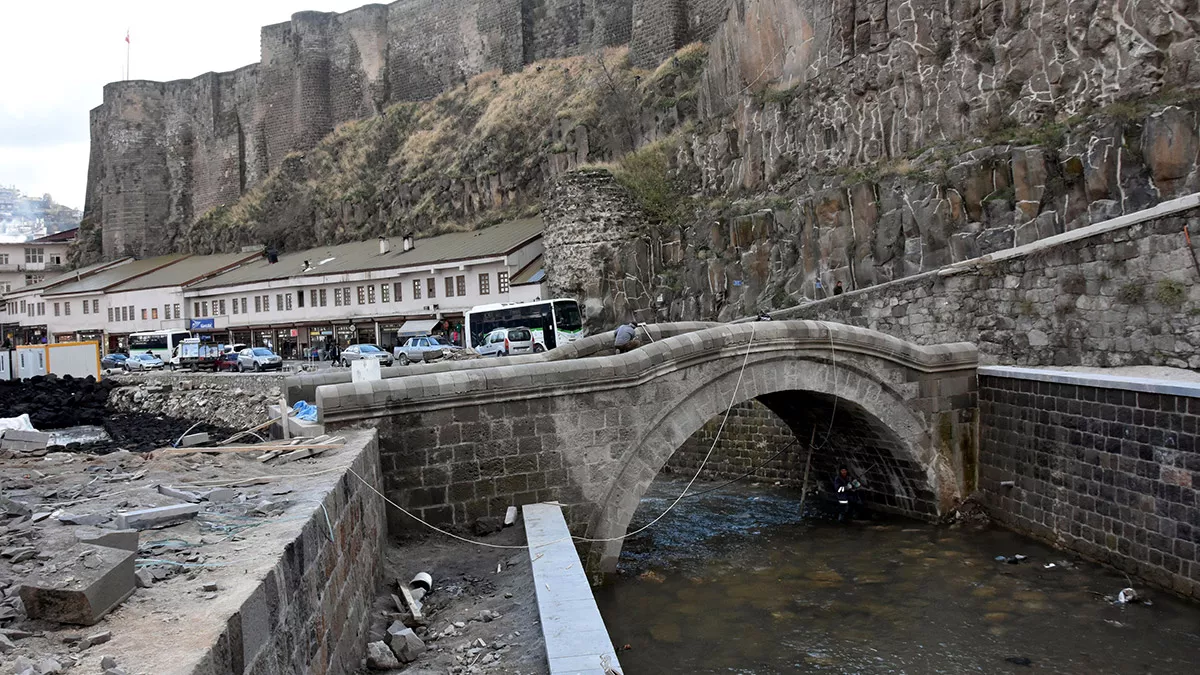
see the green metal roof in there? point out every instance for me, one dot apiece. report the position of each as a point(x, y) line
point(107, 278)
point(194, 268)
point(364, 256)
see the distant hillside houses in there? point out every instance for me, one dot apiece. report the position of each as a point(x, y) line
point(23, 217)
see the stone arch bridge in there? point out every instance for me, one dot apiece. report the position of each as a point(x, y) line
point(591, 430)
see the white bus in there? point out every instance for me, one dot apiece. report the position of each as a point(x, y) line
point(553, 322)
point(161, 343)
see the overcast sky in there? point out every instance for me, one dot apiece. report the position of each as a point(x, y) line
point(57, 55)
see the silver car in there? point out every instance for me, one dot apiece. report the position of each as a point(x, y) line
point(258, 359)
point(143, 362)
point(505, 341)
point(362, 352)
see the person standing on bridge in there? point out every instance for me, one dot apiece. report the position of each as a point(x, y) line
point(846, 489)
point(627, 338)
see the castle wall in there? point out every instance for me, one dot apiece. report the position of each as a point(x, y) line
point(165, 153)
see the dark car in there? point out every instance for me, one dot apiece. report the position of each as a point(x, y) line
point(228, 362)
point(115, 361)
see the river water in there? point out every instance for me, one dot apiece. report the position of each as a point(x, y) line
point(735, 582)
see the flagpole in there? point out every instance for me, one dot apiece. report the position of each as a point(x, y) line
point(127, 54)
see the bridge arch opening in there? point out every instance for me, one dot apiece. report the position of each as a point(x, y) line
point(845, 413)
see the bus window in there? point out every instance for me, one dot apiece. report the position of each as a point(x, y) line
point(566, 314)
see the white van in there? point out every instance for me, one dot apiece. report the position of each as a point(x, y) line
point(506, 341)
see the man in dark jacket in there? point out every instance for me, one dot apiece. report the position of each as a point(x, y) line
point(846, 490)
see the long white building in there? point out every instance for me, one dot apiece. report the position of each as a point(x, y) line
point(358, 292)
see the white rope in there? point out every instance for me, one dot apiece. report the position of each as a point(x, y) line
point(716, 439)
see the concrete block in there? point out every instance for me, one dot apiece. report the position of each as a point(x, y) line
point(80, 585)
point(404, 642)
point(36, 438)
point(162, 516)
point(126, 540)
point(175, 493)
point(380, 657)
point(193, 440)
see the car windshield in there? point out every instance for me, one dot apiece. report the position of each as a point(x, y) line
point(145, 357)
point(369, 349)
point(117, 357)
point(259, 351)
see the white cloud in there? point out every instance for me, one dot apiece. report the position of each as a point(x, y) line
point(59, 55)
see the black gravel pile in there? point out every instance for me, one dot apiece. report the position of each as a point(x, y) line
point(59, 402)
point(56, 402)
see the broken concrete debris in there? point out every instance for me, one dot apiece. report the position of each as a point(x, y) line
point(380, 657)
point(404, 642)
point(181, 495)
point(192, 440)
point(162, 516)
point(80, 585)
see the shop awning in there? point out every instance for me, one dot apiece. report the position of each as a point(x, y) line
point(418, 327)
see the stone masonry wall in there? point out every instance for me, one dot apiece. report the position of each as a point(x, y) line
point(310, 614)
point(1120, 293)
point(751, 436)
point(1107, 471)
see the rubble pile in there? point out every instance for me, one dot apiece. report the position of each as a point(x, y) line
point(82, 535)
point(54, 402)
point(196, 399)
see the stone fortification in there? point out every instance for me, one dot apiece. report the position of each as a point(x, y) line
point(164, 153)
point(1118, 293)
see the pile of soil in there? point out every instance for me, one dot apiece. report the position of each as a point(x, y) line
point(55, 402)
point(142, 432)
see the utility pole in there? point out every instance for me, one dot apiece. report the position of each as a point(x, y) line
point(127, 45)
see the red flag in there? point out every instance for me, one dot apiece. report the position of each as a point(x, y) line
point(126, 37)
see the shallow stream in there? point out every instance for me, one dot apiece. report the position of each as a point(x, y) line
point(736, 582)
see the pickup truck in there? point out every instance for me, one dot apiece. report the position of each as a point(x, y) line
point(428, 348)
point(194, 354)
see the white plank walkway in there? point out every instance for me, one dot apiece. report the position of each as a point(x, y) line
point(577, 642)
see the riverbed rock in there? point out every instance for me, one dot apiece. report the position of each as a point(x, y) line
point(380, 657)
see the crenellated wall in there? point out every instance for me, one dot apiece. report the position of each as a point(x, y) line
point(164, 153)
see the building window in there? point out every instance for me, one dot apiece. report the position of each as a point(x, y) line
point(67, 308)
point(385, 292)
point(321, 296)
point(41, 309)
point(346, 296)
point(55, 258)
point(110, 315)
point(222, 310)
point(235, 305)
point(399, 288)
point(371, 294)
point(289, 301)
point(278, 302)
point(154, 313)
point(337, 297)
point(3, 258)
point(449, 287)
point(416, 289)
point(502, 282)
point(31, 279)
point(267, 304)
point(35, 254)
point(196, 309)
point(431, 287)
point(179, 315)
point(96, 306)
point(312, 297)
point(204, 306)
point(257, 303)
point(461, 281)
point(243, 308)
point(86, 306)
point(56, 309)
point(300, 298)
point(143, 315)
point(362, 295)
point(124, 313)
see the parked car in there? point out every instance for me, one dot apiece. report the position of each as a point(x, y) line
point(114, 361)
point(143, 362)
point(228, 362)
point(361, 352)
point(426, 348)
point(506, 341)
point(259, 359)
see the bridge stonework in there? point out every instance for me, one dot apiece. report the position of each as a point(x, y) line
point(464, 441)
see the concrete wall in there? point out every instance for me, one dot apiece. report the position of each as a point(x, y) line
point(1121, 292)
point(593, 433)
point(1104, 466)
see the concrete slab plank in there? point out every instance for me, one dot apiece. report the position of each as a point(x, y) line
point(576, 639)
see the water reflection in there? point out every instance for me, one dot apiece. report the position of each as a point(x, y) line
point(737, 582)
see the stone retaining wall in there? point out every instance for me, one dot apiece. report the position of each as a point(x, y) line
point(1122, 292)
point(751, 436)
point(234, 401)
point(310, 612)
point(1107, 467)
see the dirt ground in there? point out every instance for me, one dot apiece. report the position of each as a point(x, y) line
point(472, 585)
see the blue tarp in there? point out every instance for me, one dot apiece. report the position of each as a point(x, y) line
point(305, 411)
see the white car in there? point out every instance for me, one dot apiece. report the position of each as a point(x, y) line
point(506, 341)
